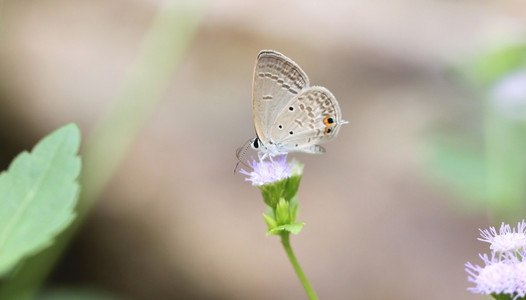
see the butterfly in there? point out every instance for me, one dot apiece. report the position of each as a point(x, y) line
point(289, 114)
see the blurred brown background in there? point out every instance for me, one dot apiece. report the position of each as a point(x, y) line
point(175, 223)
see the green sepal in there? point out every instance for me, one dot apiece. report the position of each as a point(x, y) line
point(271, 222)
point(294, 208)
point(293, 183)
point(283, 212)
point(505, 297)
point(270, 212)
point(272, 192)
point(292, 228)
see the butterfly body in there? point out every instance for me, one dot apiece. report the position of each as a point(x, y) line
point(289, 114)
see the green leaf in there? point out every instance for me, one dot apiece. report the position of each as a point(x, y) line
point(37, 196)
point(292, 228)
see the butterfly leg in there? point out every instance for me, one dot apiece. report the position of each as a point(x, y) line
point(262, 156)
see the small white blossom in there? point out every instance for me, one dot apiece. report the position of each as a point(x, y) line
point(496, 277)
point(505, 271)
point(507, 239)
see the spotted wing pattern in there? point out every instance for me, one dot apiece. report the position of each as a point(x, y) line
point(310, 118)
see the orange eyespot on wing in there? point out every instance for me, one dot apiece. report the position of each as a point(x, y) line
point(329, 124)
point(328, 121)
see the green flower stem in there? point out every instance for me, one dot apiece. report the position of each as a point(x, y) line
point(306, 285)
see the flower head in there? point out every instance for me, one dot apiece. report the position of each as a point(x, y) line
point(505, 271)
point(503, 274)
point(507, 239)
point(264, 172)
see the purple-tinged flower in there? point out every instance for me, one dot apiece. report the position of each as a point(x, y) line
point(507, 239)
point(502, 274)
point(264, 172)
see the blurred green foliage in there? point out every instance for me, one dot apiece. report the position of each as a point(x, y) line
point(76, 293)
point(492, 65)
point(486, 168)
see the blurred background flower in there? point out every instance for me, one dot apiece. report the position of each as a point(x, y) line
point(504, 272)
point(509, 95)
point(423, 153)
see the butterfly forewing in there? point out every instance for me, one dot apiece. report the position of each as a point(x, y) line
point(310, 118)
point(277, 80)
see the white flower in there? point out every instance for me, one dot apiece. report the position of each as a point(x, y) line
point(507, 239)
point(503, 274)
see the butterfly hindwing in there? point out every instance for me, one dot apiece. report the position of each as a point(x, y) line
point(310, 118)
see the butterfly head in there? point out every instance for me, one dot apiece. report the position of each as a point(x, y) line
point(269, 148)
point(256, 144)
point(266, 149)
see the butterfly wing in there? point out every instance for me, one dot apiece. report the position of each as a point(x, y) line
point(277, 79)
point(310, 118)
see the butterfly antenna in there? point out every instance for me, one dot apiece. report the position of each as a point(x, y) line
point(240, 153)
